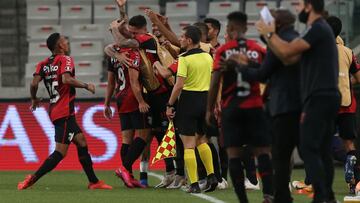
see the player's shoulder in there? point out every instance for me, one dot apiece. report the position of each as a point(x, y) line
point(228, 45)
point(141, 38)
point(255, 45)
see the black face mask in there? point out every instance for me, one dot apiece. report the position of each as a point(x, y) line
point(303, 16)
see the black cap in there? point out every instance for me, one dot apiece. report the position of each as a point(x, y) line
point(52, 41)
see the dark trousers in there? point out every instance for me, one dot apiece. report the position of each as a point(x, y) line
point(316, 132)
point(285, 128)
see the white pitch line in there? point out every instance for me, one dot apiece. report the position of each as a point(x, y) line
point(202, 196)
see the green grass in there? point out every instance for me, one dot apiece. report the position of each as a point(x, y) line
point(71, 186)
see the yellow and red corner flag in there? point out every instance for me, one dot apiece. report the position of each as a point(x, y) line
point(167, 147)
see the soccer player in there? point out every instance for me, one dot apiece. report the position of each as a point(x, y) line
point(132, 108)
point(243, 119)
point(319, 72)
point(346, 120)
point(214, 31)
point(192, 85)
point(285, 112)
point(58, 74)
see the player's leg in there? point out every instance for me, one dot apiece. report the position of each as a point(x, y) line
point(140, 123)
point(347, 131)
point(249, 164)
point(144, 161)
point(61, 148)
point(257, 128)
point(285, 138)
point(180, 178)
point(318, 112)
point(232, 125)
point(84, 157)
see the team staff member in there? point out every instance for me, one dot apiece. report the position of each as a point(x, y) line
point(58, 74)
point(346, 119)
point(320, 97)
point(192, 85)
point(284, 104)
point(243, 118)
point(132, 108)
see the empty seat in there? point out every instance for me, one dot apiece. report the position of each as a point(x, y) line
point(105, 12)
point(93, 78)
point(38, 51)
point(253, 8)
point(251, 30)
point(41, 32)
point(219, 10)
point(181, 9)
point(41, 14)
point(87, 50)
point(74, 12)
point(291, 5)
point(138, 9)
point(30, 69)
point(177, 26)
point(88, 32)
point(85, 67)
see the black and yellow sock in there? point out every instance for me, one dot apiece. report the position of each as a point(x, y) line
point(191, 165)
point(206, 157)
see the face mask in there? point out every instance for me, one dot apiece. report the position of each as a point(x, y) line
point(303, 16)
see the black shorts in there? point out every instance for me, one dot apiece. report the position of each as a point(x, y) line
point(346, 123)
point(157, 104)
point(190, 113)
point(212, 130)
point(245, 127)
point(134, 121)
point(66, 129)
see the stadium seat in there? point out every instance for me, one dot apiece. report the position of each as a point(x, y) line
point(138, 9)
point(253, 8)
point(183, 10)
point(219, 10)
point(291, 5)
point(88, 32)
point(30, 69)
point(74, 12)
point(88, 67)
point(87, 50)
point(41, 32)
point(177, 26)
point(105, 11)
point(38, 51)
point(251, 30)
point(42, 14)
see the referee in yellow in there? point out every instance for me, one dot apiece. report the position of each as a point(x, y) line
point(191, 88)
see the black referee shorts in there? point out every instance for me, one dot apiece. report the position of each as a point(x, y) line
point(245, 127)
point(346, 123)
point(66, 129)
point(190, 113)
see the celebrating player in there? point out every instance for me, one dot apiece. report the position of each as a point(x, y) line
point(58, 74)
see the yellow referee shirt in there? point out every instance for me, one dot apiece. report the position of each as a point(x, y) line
point(195, 66)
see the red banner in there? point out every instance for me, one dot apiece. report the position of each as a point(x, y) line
point(27, 138)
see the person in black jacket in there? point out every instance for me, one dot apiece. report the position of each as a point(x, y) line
point(284, 103)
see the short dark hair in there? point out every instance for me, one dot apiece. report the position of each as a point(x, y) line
point(52, 40)
point(335, 24)
point(214, 23)
point(318, 5)
point(193, 33)
point(238, 18)
point(203, 28)
point(138, 21)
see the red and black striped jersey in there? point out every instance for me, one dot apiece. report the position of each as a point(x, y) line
point(255, 53)
point(61, 95)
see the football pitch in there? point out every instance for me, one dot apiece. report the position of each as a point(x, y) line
point(71, 186)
